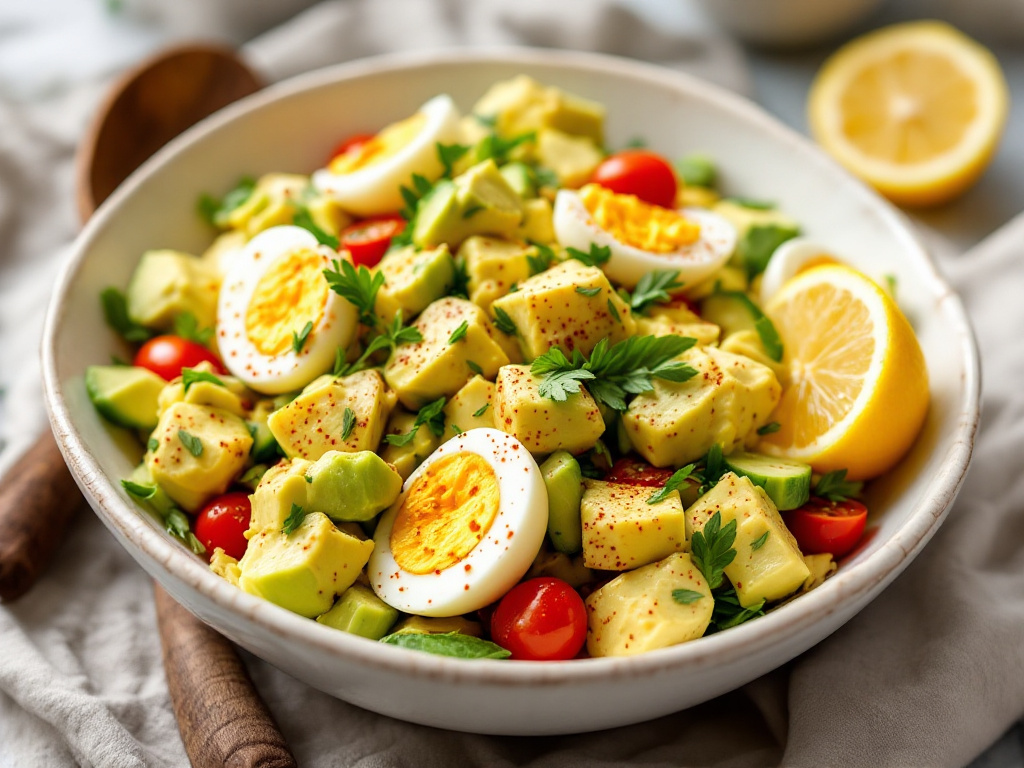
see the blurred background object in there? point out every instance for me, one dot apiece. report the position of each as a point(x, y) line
point(785, 23)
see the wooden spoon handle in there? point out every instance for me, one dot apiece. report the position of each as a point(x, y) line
point(38, 499)
point(223, 721)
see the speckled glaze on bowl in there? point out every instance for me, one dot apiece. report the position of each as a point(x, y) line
point(291, 127)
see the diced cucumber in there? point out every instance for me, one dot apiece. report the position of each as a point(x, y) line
point(788, 483)
point(265, 449)
point(564, 481)
point(124, 394)
point(360, 612)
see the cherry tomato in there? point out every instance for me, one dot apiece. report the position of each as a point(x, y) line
point(167, 355)
point(351, 144)
point(824, 526)
point(368, 240)
point(638, 172)
point(222, 523)
point(631, 471)
point(543, 619)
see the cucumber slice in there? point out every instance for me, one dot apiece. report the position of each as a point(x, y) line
point(124, 394)
point(360, 612)
point(788, 483)
point(564, 482)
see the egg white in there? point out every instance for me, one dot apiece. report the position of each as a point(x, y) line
point(288, 371)
point(786, 261)
point(375, 189)
point(575, 228)
point(498, 561)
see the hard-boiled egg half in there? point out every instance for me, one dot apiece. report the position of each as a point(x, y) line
point(367, 180)
point(465, 530)
point(789, 259)
point(643, 237)
point(278, 323)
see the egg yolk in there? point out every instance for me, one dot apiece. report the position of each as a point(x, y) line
point(382, 146)
point(291, 293)
point(446, 513)
point(633, 222)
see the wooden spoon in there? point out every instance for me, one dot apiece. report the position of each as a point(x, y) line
point(220, 715)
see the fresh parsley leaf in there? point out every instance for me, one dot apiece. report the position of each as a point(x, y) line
point(542, 259)
point(588, 292)
point(431, 414)
point(449, 154)
point(714, 468)
point(303, 218)
point(190, 376)
point(295, 517)
point(456, 429)
point(595, 257)
point(756, 247)
point(696, 171)
point(498, 148)
point(348, 423)
point(762, 324)
point(686, 596)
point(391, 336)
point(472, 211)
point(653, 288)
point(176, 523)
point(187, 327)
point(216, 212)
point(253, 475)
point(503, 322)
point(679, 477)
point(340, 366)
point(587, 467)
point(751, 203)
point(152, 444)
point(835, 487)
point(472, 365)
point(115, 310)
point(759, 542)
point(192, 443)
point(141, 491)
point(118, 361)
point(299, 339)
point(769, 428)
point(459, 333)
point(711, 548)
point(357, 286)
point(308, 479)
point(481, 410)
point(613, 311)
point(447, 644)
point(729, 613)
point(545, 177)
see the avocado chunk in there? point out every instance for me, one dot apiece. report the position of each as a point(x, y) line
point(281, 488)
point(749, 344)
point(455, 334)
point(772, 570)
point(678, 422)
point(621, 531)
point(469, 408)
point(477, 202)
point(677, 321)
point(568, 306)
point(541, 424)
point(521, 105)
point(314, 422)
point(538, 225)
point(405, 458)
point(520, 178)
point(412, 280)
point(303, 571)
point(573, 158)
point(636, 612)
point(728, 311)
point(351, 487)
point(159, 501)
point(226, 395)
point(360, 612)
point(200, 450)
point(440, 625)
point(166, 284)
point(276, 198)
point(125, 395)
point(493, 266)
point(564, 481)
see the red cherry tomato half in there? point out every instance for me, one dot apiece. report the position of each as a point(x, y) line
point(636, 472)
point(824, 526)
point(368, 240)
point(351, 144)
point(543, 619)
point(223, 523)
point(167, 355)
point(638, 172)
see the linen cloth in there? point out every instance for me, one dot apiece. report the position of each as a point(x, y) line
point(928, 675)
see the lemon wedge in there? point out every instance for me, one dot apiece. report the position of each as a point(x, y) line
point(855, 386)
point(916, 110)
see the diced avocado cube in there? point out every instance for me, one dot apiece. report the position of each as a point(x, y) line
point(572, 158)
point(125, 395)
point(748, 344)
point(521, 104)
point(538, 224)
point(314, 422)
point(413, 279)
point(564, 482)
point(469, 408)
point(455, 333)
point(360, 612)
point(728, 311)
point(520, 178)
point(621, 531)
point(281, 488)
point(677, 321)
point(637, 612)
point(541, 424)
point(203, 393)
point(327, 213)
point(678, 422)
point(200, 450)
point(567, 306)
point(440, 625)
point(305, 570)
point(493, 267)
point(351, 487)
point(405, 458)
point(772, 570)
point(159, 501)
point(166, 284)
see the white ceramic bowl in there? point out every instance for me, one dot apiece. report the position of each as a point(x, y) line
point(787, 23)
point(291, 127)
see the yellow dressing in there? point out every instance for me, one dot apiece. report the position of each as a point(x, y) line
point(291, 293)
point(385, 144)
point(633, 222)
point(446, 513)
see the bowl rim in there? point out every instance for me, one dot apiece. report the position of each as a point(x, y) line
point(853, 584)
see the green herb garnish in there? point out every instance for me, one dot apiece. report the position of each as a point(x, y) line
point(503, 322)
point(711, 548)
point(447, 644)
point(141, 491)
point(186, 326)
point(449, 154)
point(192, 443)
point(299, 339)
point(686, 596)
point(759, 542)
point(595, 257)
point(679, 477)
point(770, 428)
point(348, 423)
point(654, 288)
point(588, 292)
point(216, 212)
point(542, 259)
point(152, 444)
point(459, 333)
point(115, 310)
point(303, 218)
point(481, 410)
point(751, 203)
point(357, 286)
point(190, 376)
point(295, 517)
point(696, 171)
point(176, 523)
point(431, 414)
point(613, 311)
point(834, 486)
point(756, 247)
point(472, 365)
point(762, 324)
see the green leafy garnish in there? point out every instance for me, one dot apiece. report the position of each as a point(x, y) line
point(186, 326)
point(503, 322)
point(545, 177)
point(759, 542)
point(481, 410)
point(770, 428)
point(488, 121)
point(192, 443)
point(295, 517)
point(654, 288)
point(711, 548)
point(390, 337)
point(451, 644)
point(459, 333)
point(303, 218)
point(456, 429)
point(613, 311)
point(299, 339)
point(729, 613)
point(474, 367)
point(751, 203)
point(834, 486)
point(595, 257)
point(152, 444)
point(412, 196)
point(588, 292)
point(431, 414)
point(460, 286)
point(176, 524)
point(216, 212)
point(686, 596)
point(714, 468)
point(472, 211)
point(348, 423)
point(190, 376)
point(115, 310)
point(357, 286)
point(340, 366)
point(762, 324)
point(495, 147)
point(756, 247)
point(141, 491)
point(542, 259)
point(696, 171)
point(449, 154)
point(679, 477)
